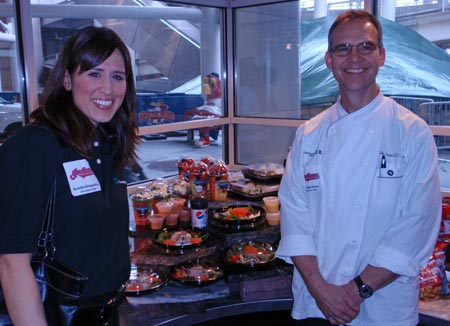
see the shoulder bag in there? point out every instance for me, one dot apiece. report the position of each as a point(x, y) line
point(60, 285)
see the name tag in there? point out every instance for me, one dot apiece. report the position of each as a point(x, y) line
point(81, 178)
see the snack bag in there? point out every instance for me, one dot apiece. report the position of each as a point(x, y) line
point(439, 253)
point(430, 280)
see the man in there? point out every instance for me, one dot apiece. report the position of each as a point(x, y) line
point(360, 197)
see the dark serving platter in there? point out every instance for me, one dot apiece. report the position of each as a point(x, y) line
point(237, 214)
point(181, 237)
point(249, 254)
point(144, 279)
point(199, 272)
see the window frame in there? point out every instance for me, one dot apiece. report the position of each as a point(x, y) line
point(22, 11)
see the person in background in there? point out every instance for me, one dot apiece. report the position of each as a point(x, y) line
point(212, 88)
point(360, 196)
point(85, 132)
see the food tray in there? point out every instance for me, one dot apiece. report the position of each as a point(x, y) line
point(250, 189)
point(179, 237)
point(199, 272)
point(234, 214)
point(254, 198)
point(144, 279)
point(249, 254)
point(264, 172)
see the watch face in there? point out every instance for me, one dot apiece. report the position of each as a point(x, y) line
point(365, 291)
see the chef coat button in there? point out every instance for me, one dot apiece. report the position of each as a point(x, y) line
point(371, 131)
point(96, 143)
point(99, 161)
point(358, 203)
point(330, 165)
point(365, 165)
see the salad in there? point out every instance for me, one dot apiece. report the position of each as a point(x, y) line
point(200, 272)
point(250, 253)
point(143, 280)
point(238, 213)
point(181, 237)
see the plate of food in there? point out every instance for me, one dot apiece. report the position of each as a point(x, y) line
point(264, 172)
point(237, 214)
point(144, 279)
point(177, 238)
point(198, 272)
point(251, 253)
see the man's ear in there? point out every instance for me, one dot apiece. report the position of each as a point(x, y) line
point(67, 83)
point(328, 61)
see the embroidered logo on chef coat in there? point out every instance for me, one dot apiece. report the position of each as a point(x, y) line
point(311, 176)
point(312, 181)
point(81, 178)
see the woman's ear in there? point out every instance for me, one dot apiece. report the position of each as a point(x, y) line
point(67, 83)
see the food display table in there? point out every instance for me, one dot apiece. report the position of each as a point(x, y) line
point(241, 291)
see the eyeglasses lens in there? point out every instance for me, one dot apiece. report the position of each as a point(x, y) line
point(364, 48)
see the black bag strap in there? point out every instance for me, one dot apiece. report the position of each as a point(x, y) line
point(45, 241)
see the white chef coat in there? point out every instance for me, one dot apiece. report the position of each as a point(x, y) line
point(359, 189)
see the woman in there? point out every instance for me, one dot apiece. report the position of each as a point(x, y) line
point(86, 133)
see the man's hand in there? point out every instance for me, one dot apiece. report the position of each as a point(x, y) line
point(339, 304)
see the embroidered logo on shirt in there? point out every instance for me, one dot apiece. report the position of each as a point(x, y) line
point(81, 178)
point(311, 176)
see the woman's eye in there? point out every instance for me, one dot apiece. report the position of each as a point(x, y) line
point(119, 77)
point(94, 74)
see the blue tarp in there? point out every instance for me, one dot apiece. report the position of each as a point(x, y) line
point(414, 66)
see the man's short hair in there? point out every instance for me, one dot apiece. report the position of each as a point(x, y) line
point(352, 15)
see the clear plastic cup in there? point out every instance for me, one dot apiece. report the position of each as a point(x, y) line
point(185, 215)
point(178, 204)
point(271, 203)
point(172, 219)
point(164, 208)
point(156, 221)
point(273, 218)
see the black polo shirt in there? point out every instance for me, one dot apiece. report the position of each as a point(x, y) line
point(91, 219)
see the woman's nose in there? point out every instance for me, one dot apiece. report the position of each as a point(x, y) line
point(107, 86)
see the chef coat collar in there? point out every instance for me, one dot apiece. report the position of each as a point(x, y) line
point(369, 106)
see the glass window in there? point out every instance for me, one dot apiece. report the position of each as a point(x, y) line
point(258, 144)
point(177, 56)
point(268, 61)
point(11, 108)
point(276, 57)
point(416, 73)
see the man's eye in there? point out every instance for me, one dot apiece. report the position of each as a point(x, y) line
point(367, 47)
point(341, 49)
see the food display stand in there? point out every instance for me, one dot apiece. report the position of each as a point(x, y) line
point(242, 291)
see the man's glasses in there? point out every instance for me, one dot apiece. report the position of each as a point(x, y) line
point(364, 48)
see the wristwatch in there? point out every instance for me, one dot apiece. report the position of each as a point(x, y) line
point(364, 290)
